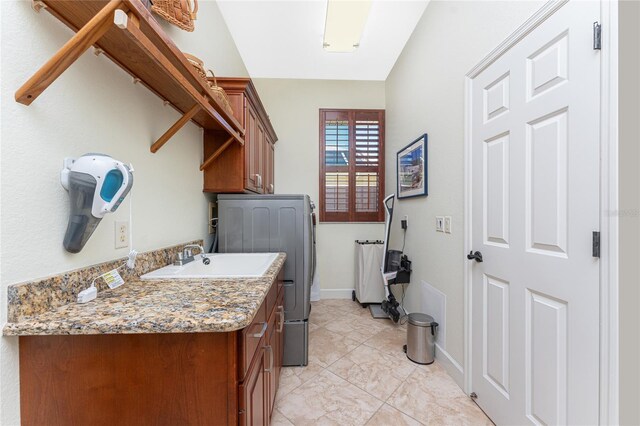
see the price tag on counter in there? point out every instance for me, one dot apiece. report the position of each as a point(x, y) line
point(113, 279)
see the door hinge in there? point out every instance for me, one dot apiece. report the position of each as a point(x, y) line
point(597, 36)
point(595, 245)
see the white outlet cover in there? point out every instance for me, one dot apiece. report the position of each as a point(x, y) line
point(440, 223)
point(447, 224)
point(122, 234)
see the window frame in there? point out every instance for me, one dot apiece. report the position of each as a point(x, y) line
point(352, 216)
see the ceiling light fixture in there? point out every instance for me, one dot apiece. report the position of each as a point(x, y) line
point(344, 24)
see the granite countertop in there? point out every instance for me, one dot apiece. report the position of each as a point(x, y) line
point(163, 306)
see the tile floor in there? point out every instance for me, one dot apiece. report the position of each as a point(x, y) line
point(358, 374)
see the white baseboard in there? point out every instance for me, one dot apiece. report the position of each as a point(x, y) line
point(451, 365)
point(336, 293)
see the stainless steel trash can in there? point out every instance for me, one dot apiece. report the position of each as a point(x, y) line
point(421, 338)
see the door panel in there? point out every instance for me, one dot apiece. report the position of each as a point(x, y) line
point(546, 184)
point(253, 393)
point(495, 345)
point(496, 194)
point(546, 359)
point(535, 202)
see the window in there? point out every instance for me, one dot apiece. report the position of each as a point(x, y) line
point(351, 165)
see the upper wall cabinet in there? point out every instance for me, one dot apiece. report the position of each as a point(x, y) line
point(241, 168)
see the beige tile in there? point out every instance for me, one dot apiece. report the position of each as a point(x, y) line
point(313, 327)
point(292, 377)
point(373, 371)
point(321, 316)
point(328, 399)
point(390, 341)
point(353, 327)
point(358, 310)
point(388, 415)
point(418, 393)
point(326, 347)
point(432, 397)
point(288, 382)
point(278, 419)
point(347, 304)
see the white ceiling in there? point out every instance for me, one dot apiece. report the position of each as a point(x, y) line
point(283, 38)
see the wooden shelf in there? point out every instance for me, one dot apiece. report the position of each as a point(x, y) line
point(127, 33)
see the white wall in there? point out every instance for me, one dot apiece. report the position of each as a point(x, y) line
point(92, 107)
point(629, 175)
point(293, 106)
point(425, 94)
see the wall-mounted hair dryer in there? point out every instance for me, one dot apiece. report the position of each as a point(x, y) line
point(97, 184)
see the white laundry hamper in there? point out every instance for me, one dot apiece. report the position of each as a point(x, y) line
point(369, 287)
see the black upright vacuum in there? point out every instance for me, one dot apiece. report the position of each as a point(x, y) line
point(395, 268)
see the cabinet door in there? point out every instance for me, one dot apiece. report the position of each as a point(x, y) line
point(269, 187)
point(259, 156)
point(250, 143)
point(254, 394)
point(271, 359)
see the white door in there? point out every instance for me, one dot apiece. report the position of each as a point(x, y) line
point(535, 203)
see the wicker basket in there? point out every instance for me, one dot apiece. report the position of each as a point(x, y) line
point(217, 92)
point(178, 12)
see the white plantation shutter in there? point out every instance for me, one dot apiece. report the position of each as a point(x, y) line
point(337, 192)
point(351, 165)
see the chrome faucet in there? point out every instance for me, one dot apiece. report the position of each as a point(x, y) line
point(187, 254)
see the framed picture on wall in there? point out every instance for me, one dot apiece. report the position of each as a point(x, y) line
point(412, 169)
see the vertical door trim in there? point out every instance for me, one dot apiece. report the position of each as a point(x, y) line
point(609, 373)
point(609, 207)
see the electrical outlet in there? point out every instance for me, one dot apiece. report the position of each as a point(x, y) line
point(122, 234)
point(447, 224)
point(406, 220)
point(440, 223)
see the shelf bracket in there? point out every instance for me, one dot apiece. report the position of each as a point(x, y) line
point(37, 5)
point(134, 33)
point(216, 154)
point(68, 54)
point(174, 129)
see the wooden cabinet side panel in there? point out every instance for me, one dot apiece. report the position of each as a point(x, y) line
point(226, 174)
point(160, 379)
point(237, 100)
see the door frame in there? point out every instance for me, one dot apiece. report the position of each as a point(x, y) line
point(609, 340)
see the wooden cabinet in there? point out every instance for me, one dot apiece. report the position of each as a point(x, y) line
point(253, 392)
point(260, 385)
point(160, 379)
point(248, 167)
